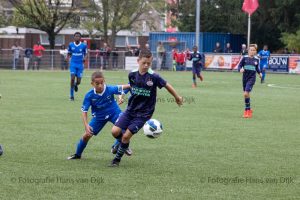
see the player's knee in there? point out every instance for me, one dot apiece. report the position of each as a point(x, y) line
point(116, 131)
point(86, 137)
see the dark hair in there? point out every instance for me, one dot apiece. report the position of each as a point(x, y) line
point(77, 33)
point(145, 53)
point(97, 75)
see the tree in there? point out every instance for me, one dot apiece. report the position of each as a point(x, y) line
point(111, 16)
point(49, 16)
point(291, 41)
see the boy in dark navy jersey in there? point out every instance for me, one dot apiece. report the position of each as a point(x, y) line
point(141, 104)
point(104, 109)
point(198, 63)
point(249, 66)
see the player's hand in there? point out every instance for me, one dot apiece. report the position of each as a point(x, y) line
point(179, 100)
point(120, 100)
point(83, 61)
point(88, 130)
point(242, 70)
point(260, 75)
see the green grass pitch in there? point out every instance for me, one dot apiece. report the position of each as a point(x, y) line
point(207, 150)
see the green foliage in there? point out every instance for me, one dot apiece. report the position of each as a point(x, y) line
point(291, 40)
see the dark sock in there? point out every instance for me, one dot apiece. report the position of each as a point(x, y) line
point(247, 104)
point(122, 148)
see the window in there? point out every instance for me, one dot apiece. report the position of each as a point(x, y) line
point(123, 41)
point(59, 40)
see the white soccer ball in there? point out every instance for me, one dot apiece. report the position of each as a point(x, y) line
point(153, 128)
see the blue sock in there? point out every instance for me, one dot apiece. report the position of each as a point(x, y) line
point(117, 142)
point(80, 147)
point(72, 91)
point(121, 150)
point(247, 104)
point(263, 75)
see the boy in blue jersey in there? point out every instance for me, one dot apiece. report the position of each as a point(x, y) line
point(141, 103)
point(198, 63)
point(104, 109)
point(77, 51)
point(249, 66)
point(264, 56)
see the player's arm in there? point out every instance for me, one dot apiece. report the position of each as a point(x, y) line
point(258, 70)
point(171, 90)
point(124, 90)
point(241, 66)
point(84, 108)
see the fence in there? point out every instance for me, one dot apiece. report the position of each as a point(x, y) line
point(53, 60)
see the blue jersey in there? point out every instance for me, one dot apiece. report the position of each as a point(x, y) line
point(143, 92)
point(250, 66)
point(102, 104)
point(77, 51)
point(264, 57)
point(197, 59)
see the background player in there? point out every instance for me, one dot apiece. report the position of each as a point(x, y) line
point(264, 56)
point(77, 51)
point(249, 66)
point(198, 63)
point(141, 103)
point(104, 109)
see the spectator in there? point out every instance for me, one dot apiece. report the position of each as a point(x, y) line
point(115, 56)
point(28, 55)
point(286, 51)
point(105, 53)
point(174, 55)
point(180, 60)
point(16, 54)
point(147, 46)
point(244, 50)
point(137, 50)
point(228, 48)
point(38, 54)
point(63, 57)
point(218, 48)
point(160, 50)
point(129, 51)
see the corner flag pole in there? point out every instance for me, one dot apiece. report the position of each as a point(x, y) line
point(249, 29)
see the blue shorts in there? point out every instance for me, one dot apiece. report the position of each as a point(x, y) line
point(97, 123)
point(248, 85)
point(196, 70)
point(76, 69)
point(132, 122)
point(263, 67)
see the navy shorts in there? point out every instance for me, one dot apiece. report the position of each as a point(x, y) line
point(248, 85)
point(97, 123)
point(197, 70)
point(131, 121)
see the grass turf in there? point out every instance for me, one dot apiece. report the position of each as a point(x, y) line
point(207, 151)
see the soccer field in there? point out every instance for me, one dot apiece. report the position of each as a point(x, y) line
point(207, 150)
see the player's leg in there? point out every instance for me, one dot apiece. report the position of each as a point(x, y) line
point(263, 71)
point(247, 89)
point(96, 126)
point(198, 72)
point(72, 83)
point(194, 77)
point(113, 118)
point(79, 73)
point(134, 126)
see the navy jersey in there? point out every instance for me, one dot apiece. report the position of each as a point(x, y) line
point(143, 92)
point(197, 59)
point(250, 66)
point(78, 51)
point(102, 104)
point(264, 57)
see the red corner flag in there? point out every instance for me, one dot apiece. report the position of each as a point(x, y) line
point(249, 6)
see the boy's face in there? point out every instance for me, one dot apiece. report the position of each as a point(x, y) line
point(77, 38)
point(144, 63)
point(98, 84)
point(252, 51)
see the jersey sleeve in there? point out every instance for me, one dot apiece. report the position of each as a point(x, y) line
point(116, 89)
point(241, 64)
point(86, 104)
point(257, 67)
point(160, 81)
point(70, 49)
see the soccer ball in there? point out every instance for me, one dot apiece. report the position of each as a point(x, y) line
point(153, 128)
